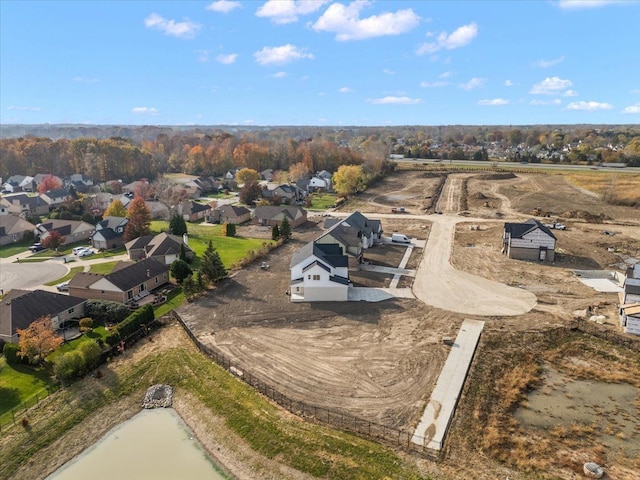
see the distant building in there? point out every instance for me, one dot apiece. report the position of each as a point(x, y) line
point(529, 240)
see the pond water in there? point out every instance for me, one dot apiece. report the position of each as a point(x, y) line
point(155, 444)
point(612, 408)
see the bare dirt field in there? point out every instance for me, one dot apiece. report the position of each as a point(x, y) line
point(380, 361)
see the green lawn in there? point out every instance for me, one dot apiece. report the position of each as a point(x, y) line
point(98, 332)
point(174, 300)
point(102, 268)
point(7, 251)
point(68, 276)
point(230, 249)
point(20, 383)
point(322, 201)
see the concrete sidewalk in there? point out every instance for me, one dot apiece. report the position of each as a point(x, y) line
point(438, 413)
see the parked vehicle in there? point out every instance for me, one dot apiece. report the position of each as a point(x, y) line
point(556, 226)
point(85, 253)
point(399, 238)
point(77, 250)
point(36, 247)
point(63, 287)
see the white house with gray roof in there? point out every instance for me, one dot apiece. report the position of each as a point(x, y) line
point(319, 272)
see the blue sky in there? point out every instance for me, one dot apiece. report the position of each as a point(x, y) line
point(287, 62)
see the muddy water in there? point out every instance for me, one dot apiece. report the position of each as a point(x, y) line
point(155, 444)
point(612, 408)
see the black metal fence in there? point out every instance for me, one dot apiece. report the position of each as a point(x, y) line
point(314, 413)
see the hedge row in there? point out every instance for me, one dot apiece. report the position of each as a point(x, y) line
point(140, 318)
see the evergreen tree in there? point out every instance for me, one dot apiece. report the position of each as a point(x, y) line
point(183, 253)
point(139, 217)
point(200, 281)
point(275, 232)
point(180, 270)
point(211, 265)
point(285, 229)
point(177, 225)
point(230, 229)
point(189, 287)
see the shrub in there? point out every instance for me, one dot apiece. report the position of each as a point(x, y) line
point(10, 351)
point(90, 352)
point(113, 338)
point(106, 311)
point(137, 319)
point(68, 366)
point(85, 324)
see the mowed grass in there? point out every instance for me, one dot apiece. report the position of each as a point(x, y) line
point(618, 186)
point(315, 450)
point(20, 383)
point(230, 249)
point(95, 334)
point(7, 251)
point(322, 201)
point(68, 276)
point(102, 268)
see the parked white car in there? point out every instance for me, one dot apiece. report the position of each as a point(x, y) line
point(85, 253)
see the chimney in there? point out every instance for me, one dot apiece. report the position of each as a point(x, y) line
point(148, 273)
point(185, 239)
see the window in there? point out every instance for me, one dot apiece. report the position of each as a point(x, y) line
point(70, 310)
point(130, 294)
point(316, 277)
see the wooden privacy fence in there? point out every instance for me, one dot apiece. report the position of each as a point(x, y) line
point(343, 421)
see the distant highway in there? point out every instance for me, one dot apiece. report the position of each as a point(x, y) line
point(515, 165)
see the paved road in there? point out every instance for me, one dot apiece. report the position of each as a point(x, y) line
point(29, 275)
point(438, 284)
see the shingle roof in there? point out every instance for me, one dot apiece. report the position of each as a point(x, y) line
point(127, 275)
point(233, 211)
point(271, 212)
point(330, 253)
point(19, 308)
point(518, 230)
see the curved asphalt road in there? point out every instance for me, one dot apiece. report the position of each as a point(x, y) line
point(438, 284)
point(27, 276)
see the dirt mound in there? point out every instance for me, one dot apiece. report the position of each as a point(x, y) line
point(586, 216)
point(496, 176)
point(478, 196)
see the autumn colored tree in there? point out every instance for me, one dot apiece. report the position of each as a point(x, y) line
point(298, 171)
point(250, 193)
point(348, 179)
point(50, 182)
point(139, 217)
point(247, 175)
point(38, 340)
point(53, 240)
point(115, 209)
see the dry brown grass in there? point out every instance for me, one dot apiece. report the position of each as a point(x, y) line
point(614, 188)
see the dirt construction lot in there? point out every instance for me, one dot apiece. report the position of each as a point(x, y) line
point(380, 361)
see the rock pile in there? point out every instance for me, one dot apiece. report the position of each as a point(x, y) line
point(158, 396)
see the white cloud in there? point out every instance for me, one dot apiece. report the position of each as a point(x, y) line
point(635, 90)
point(632, 108)
point(555, 101)
point(186, 29)
point(346, 23)
point(389, 72)
point(249, 122)
point(434, 84)
point(590, 106)
point(459, 38)
point(203, 56)
point(493, 102)
point(550, 86)
point(508, 83)
point(448, 74)
point(223, 6)
point(227, 59)
point(279, 75)
point(21, 108)
point(549, 63)
point(280, 55)
point(570, 93)
point(475, 82)
point(345, 90)
point(288, 11)
point(144, 110)
point(395, 101)
point(581, 4)
point(85, 80)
